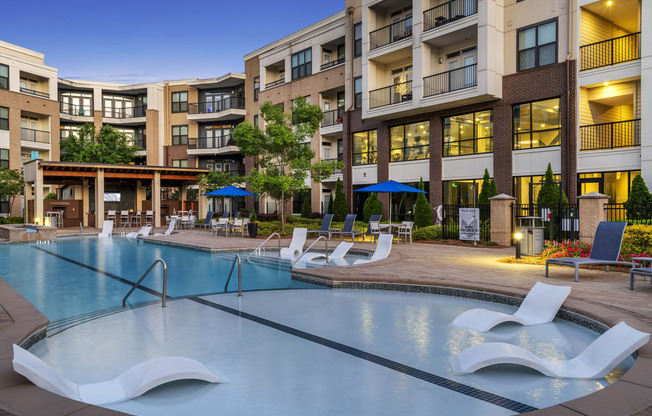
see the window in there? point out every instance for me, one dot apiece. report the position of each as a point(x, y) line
point(522, 188)
point(615, 184)
point(4, 118)
point(179, 135)
point(118, 107)
point(180, 163)
point(4, 77)
point(357, 40)
point(76, 103)
point(180, 102)
point(469, 134)
point(537, 46)
point(256, 120)
point(357, 92)
point(67, 131)
point(302, 64)
point(364, 148)
point(462, 192)
point(256, 87)
point(4, 158)
point(537, 124)
point(410, 142)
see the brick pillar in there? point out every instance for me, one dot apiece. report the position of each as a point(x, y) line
point(503, 149)
point(347, 172)
point(591, 213)
point(501, 219)
point(382, 167)
point(436, 192)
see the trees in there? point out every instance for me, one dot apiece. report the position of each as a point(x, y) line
point(329, 210)
point(638, 200)
point(549, 192)
point(422, 209)
point(280, 151)
point(218, 180)
point(489, 189)
point(107, 145)
point(305, 209)
point(11, 185)
point(372, 206)
point(340, 204)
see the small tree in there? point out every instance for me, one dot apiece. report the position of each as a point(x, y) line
point(422, 209)
point(549, 192)
point(372, 206)
point(11, 185)
point(305, 209)
point(213, 181)
point(488, 189)
point(340, 205)
point(329, 210)
point(638, 201)
point(51, 195)
point(107, 145)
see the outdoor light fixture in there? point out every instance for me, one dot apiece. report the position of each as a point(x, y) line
point(36, 220)
point(518, 237)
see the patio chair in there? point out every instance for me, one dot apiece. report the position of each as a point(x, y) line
point(238, 225)
point(149, 217)
point(124, 217)
point(221, 224)
point(349, 223)
point(110, 215)
point(107, 229)
point(605, 251)
point(373, 229)
point(207, 221)
point(132, 383)
point(383, 248)
point(596, 361)
point(169, 230)
point(336, 256)
point(640, 269)
point(405, 230)
point(236, 215)
point(325, 226)
point(296, 245)
point(540, 306)
point(144, 231)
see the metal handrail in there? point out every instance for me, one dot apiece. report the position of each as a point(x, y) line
point(123, 227)
point(263, 243)
point(308, 249)
point(81, 231)
point(239, 261)
point(165, 282)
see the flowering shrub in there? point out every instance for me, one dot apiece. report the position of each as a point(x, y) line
point(554, 250)
point(646, 253)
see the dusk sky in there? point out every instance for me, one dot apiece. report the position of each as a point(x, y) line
point(140, 41)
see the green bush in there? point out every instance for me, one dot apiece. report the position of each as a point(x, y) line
point(637, 240)
point(489, 189)
point(253, 216)
point(51, 195)
point(432, 232)
point(12, 220)
point(549, 193)
point(340, 205)
point(422, 209)
point(329, 210)
point(305, 209)
point(372, 206)
point(302, 222)
point(638, 197)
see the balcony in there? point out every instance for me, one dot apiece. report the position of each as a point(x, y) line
point(76, 110)
point(275, 83)
point(391, 33)
point(611, 52)
point(34, 92)
point(35, 136)
point(611, 135)
point(394, 94)
point(332, 117)
point(448, 12)
point(125, 112)
point(453, 80)
point(212, 145)
point(210, 107)
point(332, 63)
point(336, 159)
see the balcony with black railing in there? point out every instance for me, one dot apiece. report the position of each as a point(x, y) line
point(332, 117)
point(275, 83)
point(215, 106)
point(448, 12)
point(453, 80)
point(125, 112)
point(391, 33)
point(36, 136)
point(611, 52)
point(615, 135)
point(211, 142)
point(331, 64)
point(76, 110)
point(34, 92)
point(394, 94)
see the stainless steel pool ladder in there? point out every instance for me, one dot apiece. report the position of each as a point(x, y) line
point(122, 233)
point(263, 243)
point(165, 282)
point(236, 259)
point(81, 231)
point(308, 249)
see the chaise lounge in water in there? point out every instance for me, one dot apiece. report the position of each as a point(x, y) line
point(130, 384)
point(540, 306)
point(596, 361)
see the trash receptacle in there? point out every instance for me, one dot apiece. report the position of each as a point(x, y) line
point(533, 235)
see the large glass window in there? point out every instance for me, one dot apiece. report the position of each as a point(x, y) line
point(522, 188)
point(469, 134)
point(537, 124)
point(4, 77)
point(365, 148)
point(67, 131)
point(4, 118)
point(180, 163)
point(4, 158)
point(76, 103)
point(180, 102)
point(537, 46)
point(179, 135)
point(357, 40)
point(357, 92)
point(462, 191)
point(410, 142)
point(256, 87)
point(302, 64)
point(615, 184)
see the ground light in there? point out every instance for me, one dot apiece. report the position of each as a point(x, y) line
point(518, 237)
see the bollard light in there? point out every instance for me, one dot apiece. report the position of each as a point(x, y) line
point(518, 237)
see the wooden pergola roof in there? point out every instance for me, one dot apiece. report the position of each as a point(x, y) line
point(71, 170)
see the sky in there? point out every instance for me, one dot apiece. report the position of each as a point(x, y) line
point(153, 40)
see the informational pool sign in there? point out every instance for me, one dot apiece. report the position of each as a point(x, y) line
point(470, 224)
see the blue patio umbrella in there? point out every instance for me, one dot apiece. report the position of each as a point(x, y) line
point(390, 187)
point(229, 191)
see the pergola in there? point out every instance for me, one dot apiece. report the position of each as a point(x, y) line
point(38, 173)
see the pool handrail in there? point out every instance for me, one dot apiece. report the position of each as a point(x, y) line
point(81, 231)
point(123, 227)
point(239, 261)
point(308, 249)
point(165, 282)
point(263, 243)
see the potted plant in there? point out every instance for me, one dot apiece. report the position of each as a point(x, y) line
point(252, 227)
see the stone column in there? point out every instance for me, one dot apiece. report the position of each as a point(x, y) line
point(156, 198)
point(99, 199)
point(140, 195)
point(202, 203)
point(183, 195)
point(38, 197)
point(592, 211)
point(27, 196)
point(85, 195)
point(501, 219)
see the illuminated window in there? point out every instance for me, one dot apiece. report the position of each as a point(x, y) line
point(537, 124)
point(365, 148)
point(410, 142)
point(469, 134)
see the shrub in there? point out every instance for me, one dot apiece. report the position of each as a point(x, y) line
point(269, 227)
point(638, 197)
point(12, 220)
point(316, 215)
point(329, 209)
point(555, 250)
point(422, 209)
point(549, 193)
point(432, 232)
point(305, 209)
point(340, 205)
point(268, 217)
point(372, 206)
point(637, 239)
point(253, 216)
point(489, 189)
point(51, 195)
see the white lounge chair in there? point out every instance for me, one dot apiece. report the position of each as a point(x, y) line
point(539, 307)
point(144, 231)
point(170, 228)
point(596, 361)
point(296, 245)
point(336, 257)
point(132, 383)
point(107, 229)
point(383, 248)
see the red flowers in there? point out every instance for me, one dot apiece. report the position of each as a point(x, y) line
point(555, 250)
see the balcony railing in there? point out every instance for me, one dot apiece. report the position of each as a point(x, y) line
point(210, 107)
point(125, 112)
point(332, 117)
point(393, 94)
point(610, 52)
point(34, 92)
point(332, 63)
point(391, 33)
point(448, 12)
point(76, 110)
point(36, 136)
point(275, 83)
point(611, 135)
point(211, 142)
point(453, 80)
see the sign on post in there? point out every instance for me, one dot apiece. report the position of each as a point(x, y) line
point(470, 224)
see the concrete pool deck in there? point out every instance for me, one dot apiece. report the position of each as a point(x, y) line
point(602, 296)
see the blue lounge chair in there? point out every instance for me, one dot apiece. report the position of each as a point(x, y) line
point(207, 221)
point(605, 250)
point(348, 230)
point(325, 226)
